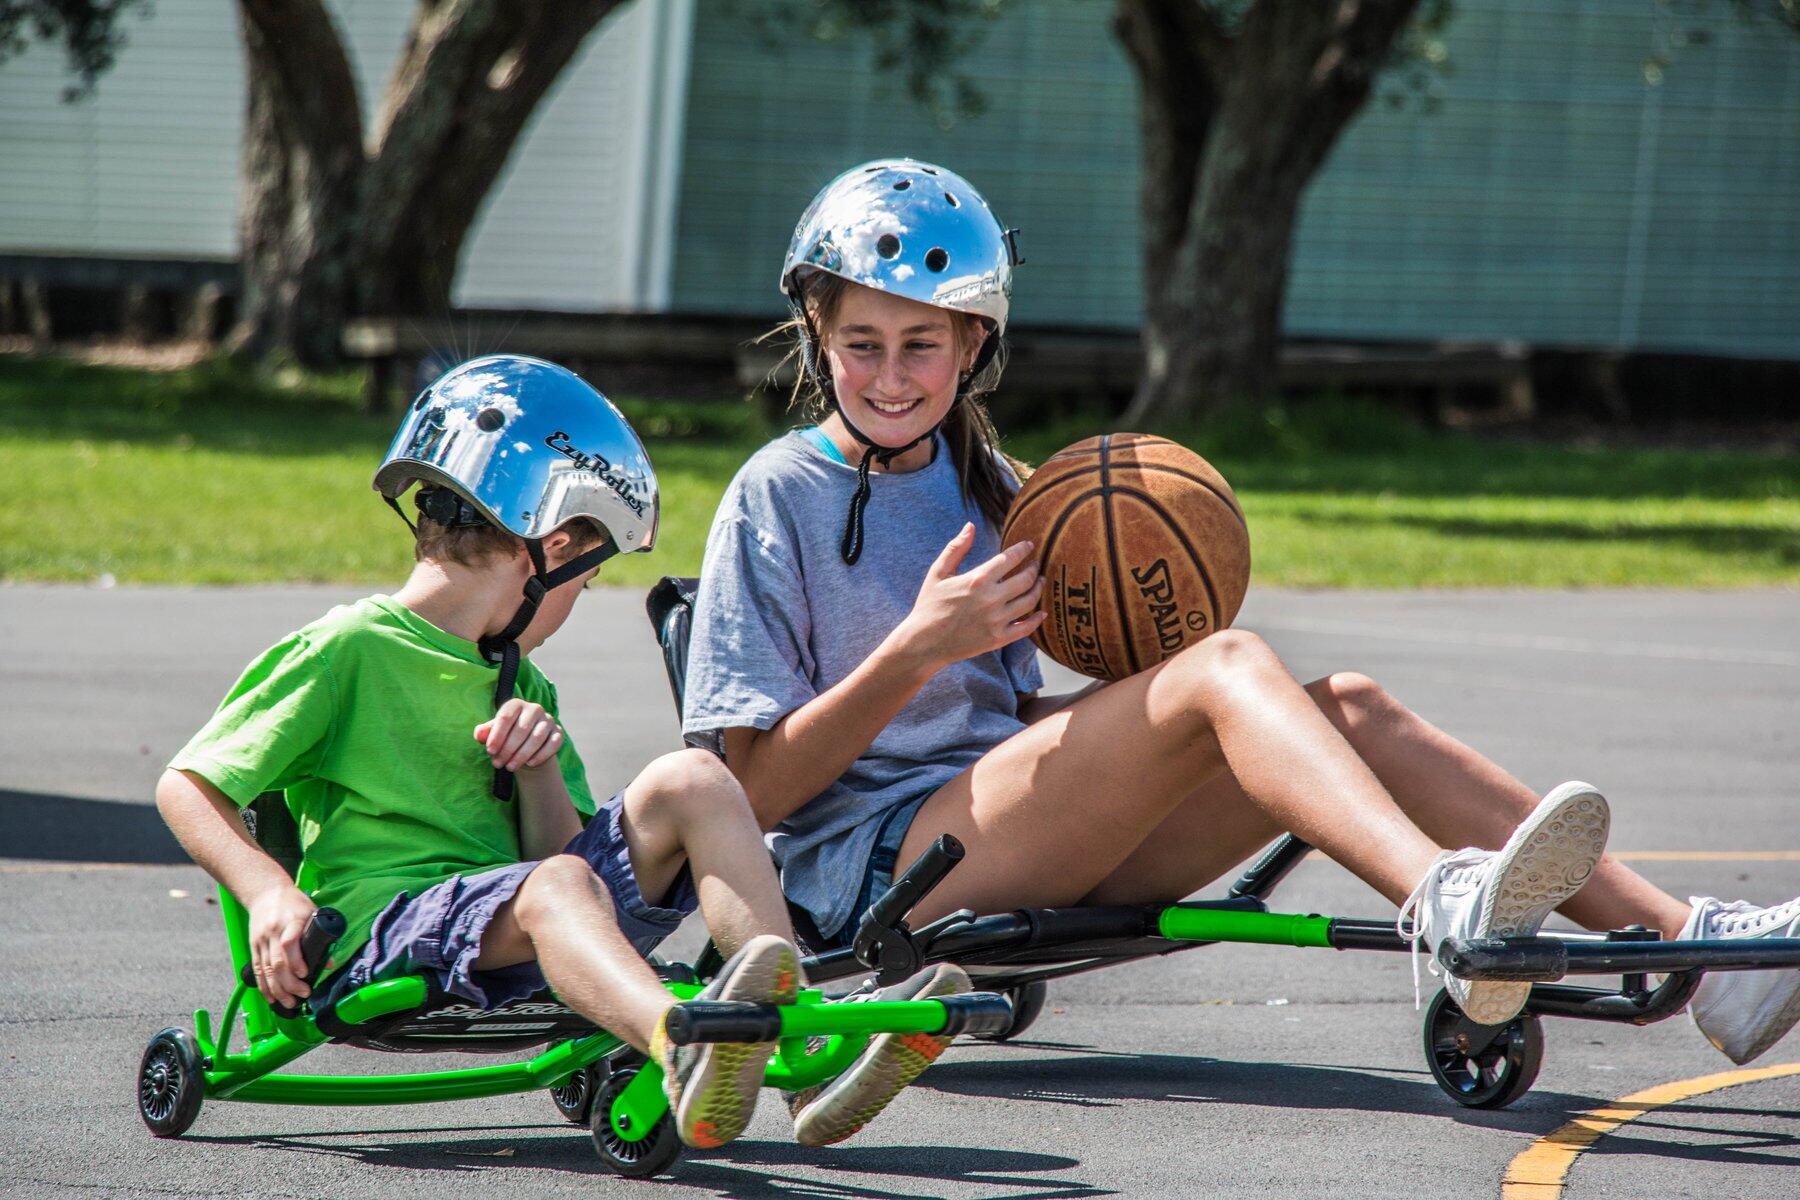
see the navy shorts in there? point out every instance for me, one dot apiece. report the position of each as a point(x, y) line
point(438, 932)
point(878, 876)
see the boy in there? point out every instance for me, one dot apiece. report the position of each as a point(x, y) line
point(439, 803)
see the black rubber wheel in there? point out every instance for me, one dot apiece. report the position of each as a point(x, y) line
point(1479, 1066)
point(574, 1096)
point(170, 1083)
point(650, 1155)
point(1027, 1002)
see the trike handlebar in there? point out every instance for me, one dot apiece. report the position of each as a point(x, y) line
point(327, 926)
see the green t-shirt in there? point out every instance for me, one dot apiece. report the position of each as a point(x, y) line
point(366, 719)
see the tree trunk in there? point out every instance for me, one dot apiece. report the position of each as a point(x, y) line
point(333, 230)
point(1235, 122)
point(461, 95)
point(302, 158)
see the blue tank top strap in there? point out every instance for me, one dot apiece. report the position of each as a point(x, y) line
point(824, 444)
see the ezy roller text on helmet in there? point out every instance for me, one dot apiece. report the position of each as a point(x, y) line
point(527, 446)
point(912, 230)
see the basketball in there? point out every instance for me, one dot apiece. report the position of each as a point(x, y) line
point(1143, 548)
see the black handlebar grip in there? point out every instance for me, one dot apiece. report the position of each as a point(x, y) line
point(722, 1021)
point(1535, 960)
point(327, 926)
point(976, 1012)
point(926, 872)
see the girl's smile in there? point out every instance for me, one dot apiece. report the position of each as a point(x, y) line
point(895, 364)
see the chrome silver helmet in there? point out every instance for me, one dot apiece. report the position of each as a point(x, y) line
point(531, 446)
point(911, 229)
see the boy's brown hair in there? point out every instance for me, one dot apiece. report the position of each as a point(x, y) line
point(478, 545)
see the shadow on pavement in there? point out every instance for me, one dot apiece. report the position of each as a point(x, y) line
point(1087, 1078)
point(71, 829)
point(740, 1171)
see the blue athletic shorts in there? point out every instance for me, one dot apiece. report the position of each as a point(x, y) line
point(438, 932)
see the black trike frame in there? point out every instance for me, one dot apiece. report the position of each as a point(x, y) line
point(1017, 953)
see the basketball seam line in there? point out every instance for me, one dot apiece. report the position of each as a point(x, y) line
point(1112, 556)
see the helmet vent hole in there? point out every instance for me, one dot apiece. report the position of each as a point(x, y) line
point(951, 197)
point(929, 170)
point(489, 419)
point(900, 185)
point(936, 259)
point(887, 245)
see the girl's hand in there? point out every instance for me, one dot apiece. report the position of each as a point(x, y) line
point(520, 736)
point(957, 617)
point(277, 919)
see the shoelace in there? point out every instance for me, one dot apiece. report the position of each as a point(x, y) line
point(1741, 917)
point(1449, 867)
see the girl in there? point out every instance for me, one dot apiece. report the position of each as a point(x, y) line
point(859, 643)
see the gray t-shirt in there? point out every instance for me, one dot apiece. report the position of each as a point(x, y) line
point(781, 619)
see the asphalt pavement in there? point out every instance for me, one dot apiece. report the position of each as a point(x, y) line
point(1235, 1071)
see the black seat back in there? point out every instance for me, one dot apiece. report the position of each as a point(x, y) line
point(271, 823)
point(671, 608)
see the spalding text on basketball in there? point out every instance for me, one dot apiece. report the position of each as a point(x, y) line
point(1158, 591)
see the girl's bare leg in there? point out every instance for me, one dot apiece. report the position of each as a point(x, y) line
point(1056, 809)
point(1455, 795)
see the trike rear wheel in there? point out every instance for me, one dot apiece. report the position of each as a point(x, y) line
point(574, 1096)
point(171, 1083)
point(1481, 1066)
point(649, 1155)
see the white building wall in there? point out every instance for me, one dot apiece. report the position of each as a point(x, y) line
point(148, 166)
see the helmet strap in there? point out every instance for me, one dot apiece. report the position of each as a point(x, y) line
point(503, 648)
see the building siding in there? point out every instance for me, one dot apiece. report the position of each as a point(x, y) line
point(1549, 194)
point(148, 167)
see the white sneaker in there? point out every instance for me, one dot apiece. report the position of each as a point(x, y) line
point(1743, 1013)
point(1506, 892)
point(832, 1111)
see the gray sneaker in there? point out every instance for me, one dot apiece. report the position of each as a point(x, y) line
point(1507, 892)
point(1743, 1013)
point(712, 1087)
point(833, 1111)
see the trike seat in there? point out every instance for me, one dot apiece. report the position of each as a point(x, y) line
point(443, 1022)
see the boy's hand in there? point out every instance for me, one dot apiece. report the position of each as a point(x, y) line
point(521, 736)
point(277, 919)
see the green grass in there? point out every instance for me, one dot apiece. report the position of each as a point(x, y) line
point(216, 476)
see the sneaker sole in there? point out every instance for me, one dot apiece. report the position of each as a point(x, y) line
point(1549, 857)
point(893, 1061)
point(718, 1098)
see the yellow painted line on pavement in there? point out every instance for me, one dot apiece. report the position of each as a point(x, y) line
point(1539, 1172)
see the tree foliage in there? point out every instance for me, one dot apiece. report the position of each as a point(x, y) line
point(88, 31)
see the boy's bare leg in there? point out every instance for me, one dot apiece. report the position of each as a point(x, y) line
point(562, 915)
point(683, 805)
point(687, 807)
